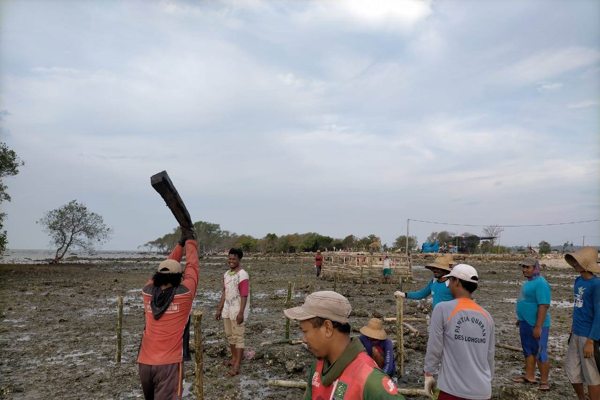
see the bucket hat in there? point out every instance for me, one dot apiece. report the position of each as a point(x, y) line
point(374, 329)
point(586, 258)
point(444, 262)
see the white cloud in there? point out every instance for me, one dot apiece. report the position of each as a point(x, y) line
point(583, 104)
point(549, 86)
point(393, 15)
point(547, 64)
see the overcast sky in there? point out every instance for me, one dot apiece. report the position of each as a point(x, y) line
point(338, 117)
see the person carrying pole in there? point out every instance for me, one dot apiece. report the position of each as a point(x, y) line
point(168, 298)
point(437, 286)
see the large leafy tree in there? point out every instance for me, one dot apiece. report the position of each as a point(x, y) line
point(9, 166)
point(73, 225)
point(400, 243)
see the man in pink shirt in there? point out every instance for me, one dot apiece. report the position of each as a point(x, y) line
point(234, 307)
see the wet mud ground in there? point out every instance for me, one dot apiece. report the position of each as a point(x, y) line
point(58, 340)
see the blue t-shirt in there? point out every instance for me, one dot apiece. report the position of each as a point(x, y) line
point(533, 293)
point(438, 290)
point(586, 308)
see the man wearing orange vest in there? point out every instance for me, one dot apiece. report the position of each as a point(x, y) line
point(343, 370)
point(168, 298)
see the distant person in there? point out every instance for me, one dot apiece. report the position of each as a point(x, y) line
point(234, 308)
point(381, 349)
point(342, 370)
point(387, 269)
point(533, 320)
point(437, 287)
point(318, 263)
point(461, 343)
point(582, 357)
point(168, 298)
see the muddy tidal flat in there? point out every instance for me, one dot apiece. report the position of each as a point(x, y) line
point(58, 338)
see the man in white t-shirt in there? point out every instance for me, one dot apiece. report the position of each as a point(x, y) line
point(233, 308)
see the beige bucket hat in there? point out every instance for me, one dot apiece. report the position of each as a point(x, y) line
point(586, 258)
point(325, 304)
point(444, 262)
point(374, 329)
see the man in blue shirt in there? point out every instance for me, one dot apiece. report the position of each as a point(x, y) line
point(533, 321)
point(437, 286)
point(580, 363)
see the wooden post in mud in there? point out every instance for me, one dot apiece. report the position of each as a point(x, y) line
point(198, 350)
point(119, 328)
point(362, 279)
point(301, 278)
point(287, 304)
point(335, 280)
point(400, 332)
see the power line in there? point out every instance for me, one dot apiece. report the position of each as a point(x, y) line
point(507, 226)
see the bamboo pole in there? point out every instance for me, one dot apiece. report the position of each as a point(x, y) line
point(282, 341)
point(303, 384)
point(287, 304)
point(411, 328)
point(335, 281)
point(400, 332)
point(406, 319)
point(119, 329)
point(198, 350)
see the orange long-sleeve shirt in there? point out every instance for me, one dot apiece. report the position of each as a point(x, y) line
point(162, 340)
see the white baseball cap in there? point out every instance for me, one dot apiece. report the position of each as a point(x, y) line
point(464, 272)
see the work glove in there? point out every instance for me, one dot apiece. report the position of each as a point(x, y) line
point(429, 385)
point(399, 294)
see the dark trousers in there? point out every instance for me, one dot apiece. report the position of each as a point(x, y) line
point(318, 268)
point(162, 382)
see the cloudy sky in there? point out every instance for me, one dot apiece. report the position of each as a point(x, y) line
point(339, 117)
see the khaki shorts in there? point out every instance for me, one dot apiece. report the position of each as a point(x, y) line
point(580, 369)
point(234, 332)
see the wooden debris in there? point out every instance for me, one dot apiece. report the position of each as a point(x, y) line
point(508, 347)
point(119, 329)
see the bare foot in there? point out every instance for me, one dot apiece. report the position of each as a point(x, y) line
point(227, 363)
point(233, 371)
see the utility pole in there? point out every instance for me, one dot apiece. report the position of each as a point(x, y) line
point(407, 233)
point(583, 241)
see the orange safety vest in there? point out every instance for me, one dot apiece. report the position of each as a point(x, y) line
point(349, 385)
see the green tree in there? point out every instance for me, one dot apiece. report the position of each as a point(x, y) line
point(73, 225)
point(349, 242)
point(400, 243)
point(9, 166)
point(268, 244)
point(247, 243)
point(544, 247)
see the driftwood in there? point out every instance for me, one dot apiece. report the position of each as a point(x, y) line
point(508, 347)
point(302, 385)
point(411, 328)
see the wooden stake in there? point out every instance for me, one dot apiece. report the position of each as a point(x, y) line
point(282, 341)
point(335, 279)
point(119, 328)
point(400, 333)
point(287, 304)
point(198, 351)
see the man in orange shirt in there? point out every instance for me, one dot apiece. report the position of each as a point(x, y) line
point(168, 300)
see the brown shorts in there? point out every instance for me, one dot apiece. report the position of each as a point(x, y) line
point(234, 332)
point(162, 381)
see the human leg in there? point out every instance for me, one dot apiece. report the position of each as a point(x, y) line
point(227, 326)
point(168, 381)
point(542, 359)
point(146, 379)
point(238, 331)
